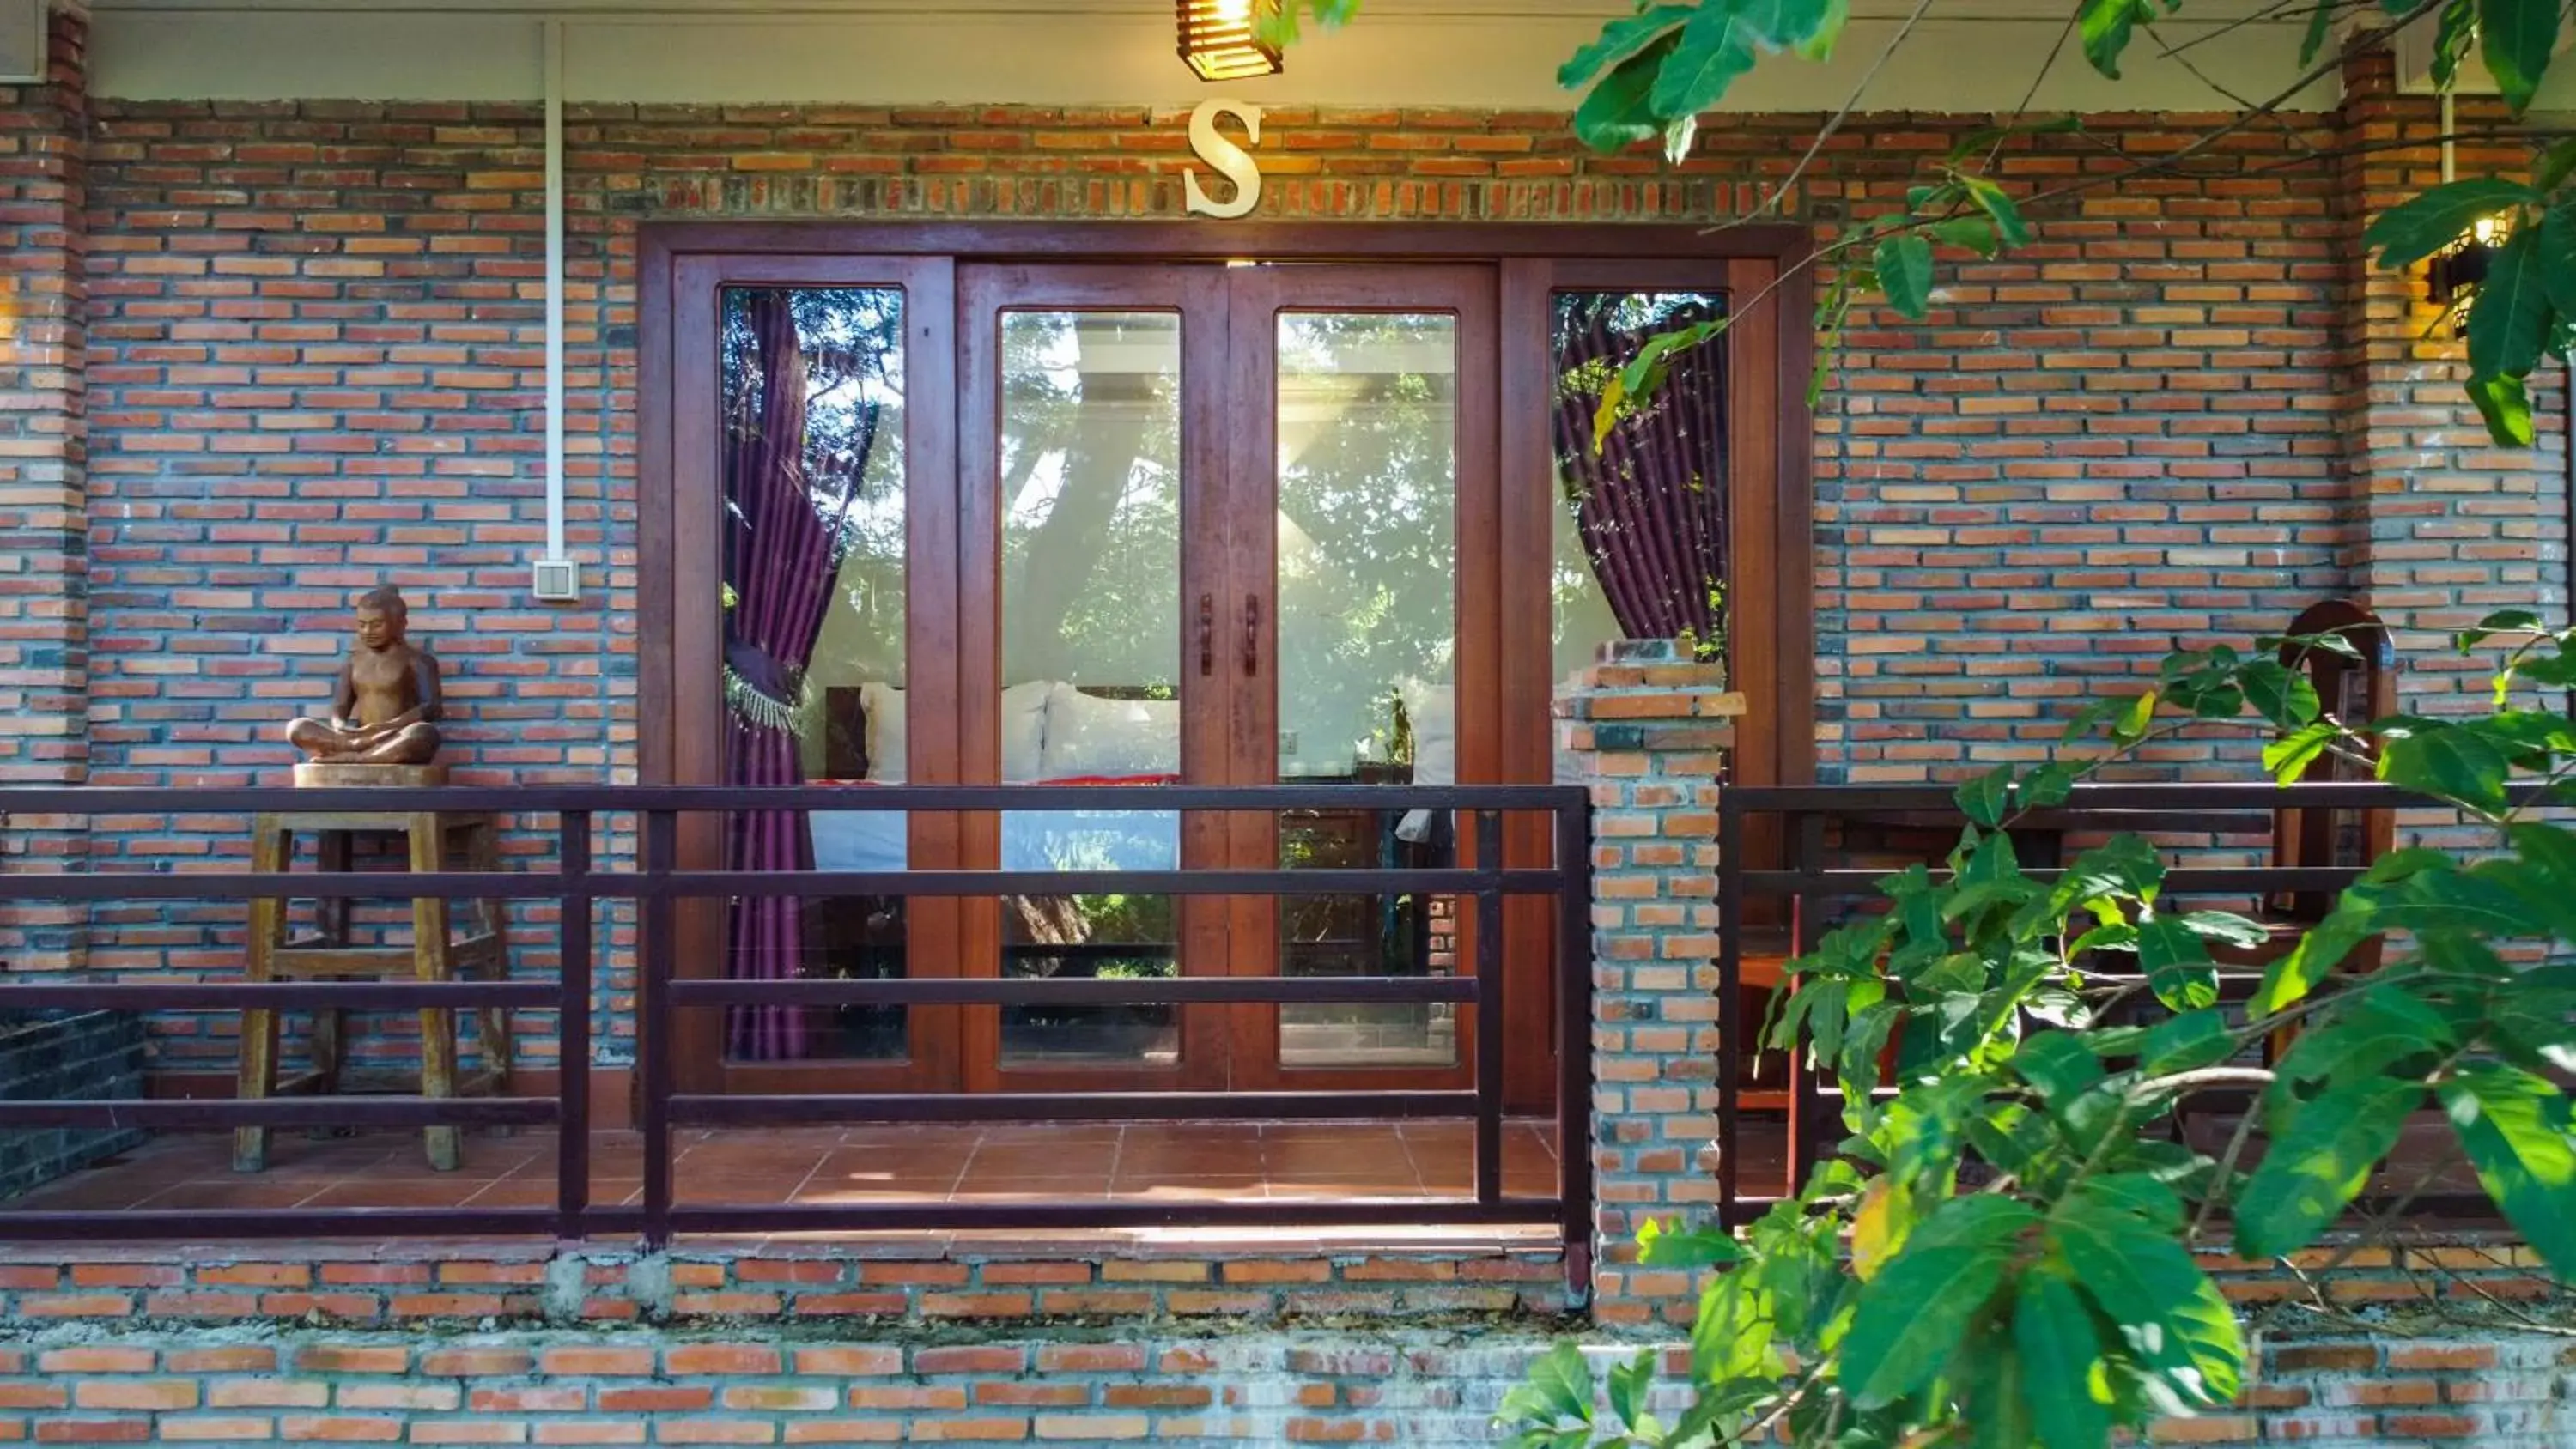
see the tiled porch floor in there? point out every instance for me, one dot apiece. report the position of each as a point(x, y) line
point(1139, 1162)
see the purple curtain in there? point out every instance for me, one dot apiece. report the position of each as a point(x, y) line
point(780, 560)
point(1650, 503)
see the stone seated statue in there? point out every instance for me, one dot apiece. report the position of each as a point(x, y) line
point(386, 709)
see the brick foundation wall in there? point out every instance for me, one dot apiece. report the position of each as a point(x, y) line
point(1421, 1387)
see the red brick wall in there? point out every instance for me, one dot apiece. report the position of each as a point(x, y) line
point(316, 360)
point(44, 625)
point(2496, 1391)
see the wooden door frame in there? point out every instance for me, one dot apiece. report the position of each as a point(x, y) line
point(1197, 297)
point(681, 736)
point(1466, 292)
point(1530, 257)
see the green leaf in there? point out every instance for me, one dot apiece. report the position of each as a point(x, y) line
point(2446, 760)
point(2506, 406)
point(1620, 39)
point(2532, 1018)
point(2107, 25)
point(2515, 38)
point(2288, 757)
point(2556, 165)
point(1999, 206)
point(2123, 867)
point(1905, 274)
point(2320, 1157)
point(1819, 45)
point(2059, 1064)
point(2187, 1042)
point(1628, 1384)
point(2133, 725)
point(1984, 798)
point(1713, 51)
point(2285, 697)
point(1616, 114)
point(2510, 316)
point(2062, 1357)
point(2094, 714)
point(1659, 1246)
point(2517, 1132)
point(2452, 33)
point(1973, 233)
point(1782, 24)
point(2047, 787)
point(2227, 928)
point(1556, 1395)
point(2555, 251)
point(1915, 1313)
point(2320, 25)
point(2171, 1317)
point(2416, 228)
point(2289, 979)
point(2177, 963)
point(2374, 1030)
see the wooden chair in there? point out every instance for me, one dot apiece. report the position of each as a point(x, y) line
point(2353, 691)
point(435, 952)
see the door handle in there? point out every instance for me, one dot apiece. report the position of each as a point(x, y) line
point(1207, 635)
point(1251, 634)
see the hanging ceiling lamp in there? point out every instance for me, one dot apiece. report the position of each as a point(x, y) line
point(1219, 40)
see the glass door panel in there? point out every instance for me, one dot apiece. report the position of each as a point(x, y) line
point(1090, 506)
point(1366, 408)
point(1362, 486)
point(1088, 412)
point(813, 543)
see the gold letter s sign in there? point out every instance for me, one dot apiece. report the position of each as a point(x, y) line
point(1231, 161)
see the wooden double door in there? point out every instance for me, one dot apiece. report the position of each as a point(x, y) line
point(1197, 523)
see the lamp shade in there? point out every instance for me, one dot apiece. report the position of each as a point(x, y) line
point(1218, 41)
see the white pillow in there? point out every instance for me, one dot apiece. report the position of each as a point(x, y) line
point(1024, 722)
point(1433, 712)
point(1088, 736)
point(882, 704)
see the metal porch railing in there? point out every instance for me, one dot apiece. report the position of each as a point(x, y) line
point(1777, 913)
point(577, 882)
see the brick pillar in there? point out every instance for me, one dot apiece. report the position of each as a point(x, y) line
point(2445, 527)
point(44, 640)
point(1647, 731)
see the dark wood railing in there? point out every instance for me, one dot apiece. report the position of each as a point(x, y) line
point(1772, 915)
point(578, 882)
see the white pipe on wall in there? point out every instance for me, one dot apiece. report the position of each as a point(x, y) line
point(558, 578)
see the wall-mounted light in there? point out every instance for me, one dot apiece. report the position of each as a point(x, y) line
point(2459, 268)
point(1220, 42)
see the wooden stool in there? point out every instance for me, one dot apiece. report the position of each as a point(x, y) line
point(327, 955)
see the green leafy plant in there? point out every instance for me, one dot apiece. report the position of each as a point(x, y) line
point(1650, 75)
point(2001, 1252)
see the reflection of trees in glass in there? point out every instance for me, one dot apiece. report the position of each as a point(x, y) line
point(1367, 517)
point(1090, 497)
point(852, 341)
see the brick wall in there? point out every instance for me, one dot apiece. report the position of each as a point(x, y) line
point(1426, 1387)
point(44, 611)
point(1647, 733)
